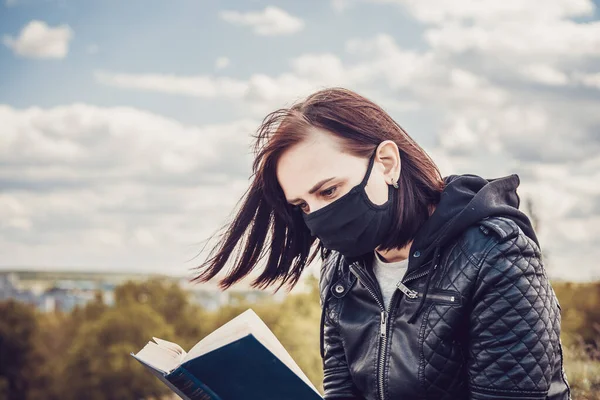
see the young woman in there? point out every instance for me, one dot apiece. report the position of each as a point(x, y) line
point(431, 287)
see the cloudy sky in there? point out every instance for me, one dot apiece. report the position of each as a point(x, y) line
point(125, 126)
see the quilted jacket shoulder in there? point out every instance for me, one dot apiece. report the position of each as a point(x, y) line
point(478, 240)
point(512, 297)
point(504, 228)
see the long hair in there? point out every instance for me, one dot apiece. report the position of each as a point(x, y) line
point(265, 222)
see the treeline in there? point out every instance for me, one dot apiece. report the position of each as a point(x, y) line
point(85, 353)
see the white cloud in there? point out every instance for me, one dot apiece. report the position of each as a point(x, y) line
point(512, 32)
point(380, 60)
point(458, 138)
point(433, 11)
point(517, 27)
point(426, 75)
point(99, 187)
point(271, 21)
point(545, 74)
point(380, 57)
point(259, 92)
point(340, 5)
point(222, 62)
point(126, 143)
point(38, 40)
point(591, 80)
point(199, 85)
point(534, 39)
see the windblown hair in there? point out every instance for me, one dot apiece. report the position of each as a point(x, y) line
point(266, 222)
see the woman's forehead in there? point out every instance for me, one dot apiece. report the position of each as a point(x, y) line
point(302, 166)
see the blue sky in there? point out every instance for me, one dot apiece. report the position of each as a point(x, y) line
point(125, 125)
point(179, 37)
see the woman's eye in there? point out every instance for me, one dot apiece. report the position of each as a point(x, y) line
point(329, 192)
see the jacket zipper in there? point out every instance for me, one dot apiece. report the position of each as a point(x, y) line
point(433, 296)
point(383, 327)
point(382, 333)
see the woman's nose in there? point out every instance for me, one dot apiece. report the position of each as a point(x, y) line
point(316, 204)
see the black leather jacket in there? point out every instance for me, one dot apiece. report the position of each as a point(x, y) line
point(477, 320)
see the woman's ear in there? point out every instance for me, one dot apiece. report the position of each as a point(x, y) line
point(389, 156)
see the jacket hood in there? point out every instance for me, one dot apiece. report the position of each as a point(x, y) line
point(465, 200)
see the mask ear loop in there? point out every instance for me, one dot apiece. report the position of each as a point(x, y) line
point(391, 188)
point(369, 170)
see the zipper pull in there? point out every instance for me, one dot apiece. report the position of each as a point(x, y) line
point(406, 290)
point(383, 327)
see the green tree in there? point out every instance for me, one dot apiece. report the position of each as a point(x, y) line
point(298, 330)
point(18, 366)
point(168, 299)
point(99, 356)
point(164, 296)
point(580, 311)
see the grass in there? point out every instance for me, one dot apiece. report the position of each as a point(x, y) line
point(582, 366)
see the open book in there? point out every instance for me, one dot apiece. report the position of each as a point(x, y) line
point(240, 360)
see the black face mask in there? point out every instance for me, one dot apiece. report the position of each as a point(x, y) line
point(352, 224)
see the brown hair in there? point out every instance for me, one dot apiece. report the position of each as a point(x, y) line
point(273, 223)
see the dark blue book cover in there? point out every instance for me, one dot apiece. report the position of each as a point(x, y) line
point(243, 369)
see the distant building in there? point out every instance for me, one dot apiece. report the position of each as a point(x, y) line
point(9, 289)
point(63, 291)
point(64, 296)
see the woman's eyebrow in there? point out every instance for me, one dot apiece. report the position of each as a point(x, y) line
point(314, 188)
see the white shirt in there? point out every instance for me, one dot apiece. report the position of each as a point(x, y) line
point(388, 274)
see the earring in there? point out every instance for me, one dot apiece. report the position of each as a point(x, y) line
point(395, 184)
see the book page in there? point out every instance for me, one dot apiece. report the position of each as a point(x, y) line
point(162, 358)
point(174, 347)
point(246, 323)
